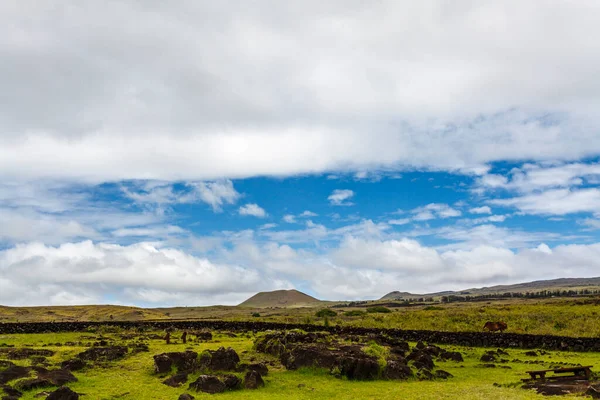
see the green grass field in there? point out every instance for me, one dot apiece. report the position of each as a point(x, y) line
point(133, 376)
point(577, 317)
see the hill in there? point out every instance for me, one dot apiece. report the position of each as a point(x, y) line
point(535, 286)
point(280, 298)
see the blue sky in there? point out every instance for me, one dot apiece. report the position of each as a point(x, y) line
point(193, 154)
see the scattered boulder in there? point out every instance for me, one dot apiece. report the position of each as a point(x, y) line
point(443, 374)
point(232, 382)
point(186, 396)
point(13, 372)
point(593, 391)
point(420, 345)
point(206, 336)
point(103, 353)
point(433, 351)
point(253, 380)
point(261, 368)
point(421, 360)
point(531, 353)
point(308, 356)
point(23, 353)
point(176, 380)
point(220, 360)
point(207, 384)
point(183, 362)
point(489, 356)
point(397, 370)
point(63, 393)
point(424, 375)
point(451, 355)
point(11, 392)
point(57, 377)
point(361, 369)
point(74, 364)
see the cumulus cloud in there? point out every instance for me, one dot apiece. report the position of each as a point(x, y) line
point(51, 274)
point(340, 197)
point(555, 202)
point(481, 210)
point(534, 177)
point(434, 210)
point(252, 209)
point(218, 111)
point(154, 193)
point(289, 218)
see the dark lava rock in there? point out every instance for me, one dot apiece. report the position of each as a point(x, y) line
point(45, 378)
point(359, 368)
point(57, 377)
point(186, 396)
point(73, 365)
point(531, 353)
point(12, 392)
point(21, 354)
point(308, 356)
point(103, 353)
point(421, 360)
point(5, 364)
point(63, 393)
point(487, 365)
point(203, 336)
point(232, 382)
point(183, 362)
point(261, 368)
point(13, 372)
point(501, 352)
point(397, 370)
point(220, 360)
point(451, 355)
point(424, 375)
point(443, 374)
point(489, 356)
point(420, 345)
point(207, 384)
point(176, 380)
point(253, 380)
point(433, 350)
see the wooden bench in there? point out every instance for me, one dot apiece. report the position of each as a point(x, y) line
point(574, 372)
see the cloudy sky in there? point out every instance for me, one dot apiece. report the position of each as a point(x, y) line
point(197, 152)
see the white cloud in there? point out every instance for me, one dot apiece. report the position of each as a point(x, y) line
point(555, 202)
point(401, 221)
point(481, 210)
point(289, 218)
point(216, 194)
point(308, 214)
point(339, 197)
point(534, 177)
point(52, 274)
point(434, 210)
point(149, 231)
point(218, 111)
point(252, 209)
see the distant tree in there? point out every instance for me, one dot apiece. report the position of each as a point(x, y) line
point(325, 312)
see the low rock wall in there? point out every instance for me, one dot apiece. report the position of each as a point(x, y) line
point(473, 339)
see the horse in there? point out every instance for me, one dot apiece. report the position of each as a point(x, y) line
point(495, 326)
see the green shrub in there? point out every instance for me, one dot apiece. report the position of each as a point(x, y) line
point(433, 308)
point(325, 312)
point(378, 351)
point(256, 315)
point(378, 309)
point(355, 313)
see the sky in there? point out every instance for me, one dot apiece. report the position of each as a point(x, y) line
point(197, 152)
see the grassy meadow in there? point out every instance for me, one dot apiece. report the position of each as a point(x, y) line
point(577, 317)
point(133, 377)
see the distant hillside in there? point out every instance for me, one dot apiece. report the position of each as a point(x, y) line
point(280, 298)
point(536, 286)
